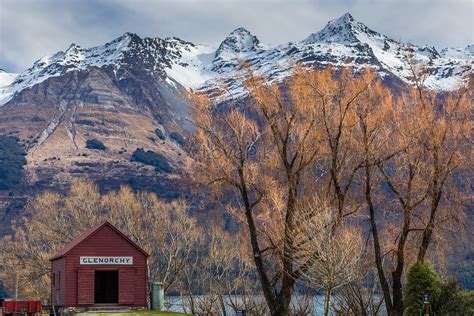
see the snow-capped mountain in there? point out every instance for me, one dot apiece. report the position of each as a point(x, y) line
point(154, 54)
point(342, 42)
point(343, 31)
point(239, 41)
point(237, 46)
point(345, 42)
point(127, 95)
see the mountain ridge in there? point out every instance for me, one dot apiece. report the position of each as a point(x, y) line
point(342, 42)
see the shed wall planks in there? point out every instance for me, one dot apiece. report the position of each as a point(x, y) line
point(77, 281)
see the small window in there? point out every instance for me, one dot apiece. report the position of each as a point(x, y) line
point(53, 281)
point(59, 279)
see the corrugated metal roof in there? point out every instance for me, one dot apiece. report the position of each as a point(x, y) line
point(87, 234)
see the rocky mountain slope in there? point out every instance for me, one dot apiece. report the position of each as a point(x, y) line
point(342, 42)
point(127, 94)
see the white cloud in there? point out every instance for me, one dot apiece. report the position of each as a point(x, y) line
point(30, 29)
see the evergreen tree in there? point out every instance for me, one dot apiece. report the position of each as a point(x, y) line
point(454, 300)
point(445, 298)
point(422, 279)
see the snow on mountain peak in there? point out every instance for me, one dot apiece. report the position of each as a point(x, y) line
point(239, 41)
point(343, 42)
point(347, 17)
point(459, 52)
point(130, 36)
point(5, 80)
point(343, 30)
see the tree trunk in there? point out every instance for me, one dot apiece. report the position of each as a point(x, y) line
point(288, 279)
point(425, 242)
point(398, 306)
point(436, 195)
point(272, 301)
point(284, 296)
point(192, 305)
point(267, 289)
point(375, 236)
point(428, 232)
point(397, 287)
point(327, 300)
point(222, 304)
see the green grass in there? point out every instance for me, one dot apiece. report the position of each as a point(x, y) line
point(154, 313)
point(132, 313)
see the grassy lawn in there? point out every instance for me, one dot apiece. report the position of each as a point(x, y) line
point(130, 313)
point(153, 313)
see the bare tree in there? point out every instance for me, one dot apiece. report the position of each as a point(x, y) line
point(50, 223)
point(447, 142)
point(361, 297)
point(223, 140)
point(374, 115)
point(221, 278)
point(163, 229)
point(412, 148)
point(264, 152)
point(335, 253)
point(445, 124)
point(336, 97)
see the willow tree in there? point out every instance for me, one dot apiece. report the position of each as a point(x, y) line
point(415, 149)
point(447, 144)
point(264, 156)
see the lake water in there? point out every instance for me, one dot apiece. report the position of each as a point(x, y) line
point(175, 304)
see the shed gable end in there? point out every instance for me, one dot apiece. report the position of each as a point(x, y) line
point(89, 234)
point(106, 241)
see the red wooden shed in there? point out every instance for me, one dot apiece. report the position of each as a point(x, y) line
point(101, 267)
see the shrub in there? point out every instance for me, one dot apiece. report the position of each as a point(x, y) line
point(85, 122)
point(95, 144)
point(454, 300)
point(178, 138)
point(152, 158)
point(160, 134)
point(445, 298)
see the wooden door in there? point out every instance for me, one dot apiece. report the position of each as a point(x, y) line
point(85, 286)
point(127, 286)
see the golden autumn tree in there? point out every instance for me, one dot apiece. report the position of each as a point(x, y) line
point(265, 153)
point(164, 229)
point(343, 136)
point(415, 148)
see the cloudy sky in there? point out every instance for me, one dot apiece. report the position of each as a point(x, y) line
point(30, 29)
